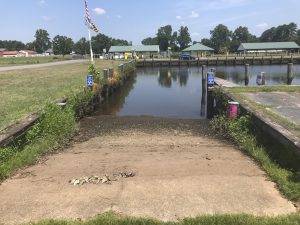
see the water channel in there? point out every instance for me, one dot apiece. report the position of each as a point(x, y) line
point(176, 92)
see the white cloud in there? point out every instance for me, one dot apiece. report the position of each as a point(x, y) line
point(42, 3)
point(195, 34)
point(262, 26)
point(47, 18)
point(99, 11)
point(119, 16)
point(178, 17)
point(194, 15)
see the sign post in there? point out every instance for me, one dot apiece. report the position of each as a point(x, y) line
point(89, 81)
point(210, 79)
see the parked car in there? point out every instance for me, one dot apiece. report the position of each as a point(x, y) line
point(186, 57)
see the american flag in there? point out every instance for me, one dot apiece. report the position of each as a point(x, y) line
point(88, 20)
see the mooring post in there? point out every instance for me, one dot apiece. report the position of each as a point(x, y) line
point(246, 74)
point(110, 72)
point(290, 74)
point(105, 73)
point(121, 67)
point(204, 89)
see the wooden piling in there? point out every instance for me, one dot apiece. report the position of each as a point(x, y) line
point(246, 74)
point(204, 90)
point(105, 73)
point(290, 74)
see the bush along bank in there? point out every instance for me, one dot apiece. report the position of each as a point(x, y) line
point(281, 164)
point(58, 123)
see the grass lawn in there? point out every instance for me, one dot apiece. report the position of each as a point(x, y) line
point(112, 219)
point(26, 91)
point(31, 60)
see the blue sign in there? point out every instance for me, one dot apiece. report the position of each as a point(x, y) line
point(210, 78)
point(89, 81)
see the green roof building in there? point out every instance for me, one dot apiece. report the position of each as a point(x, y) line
point(269, 47)
point(198, 50)
point(142, 51)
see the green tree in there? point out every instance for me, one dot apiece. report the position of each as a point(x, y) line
point(221, 38)
point(42, 41)
point(268, 35)
point(101, 41)
point(82, 46)
point(297, 39)
point(30, 46)
point(184, 37)
point(12, 45)
point(164, 37)
point(285, 32)
point(207, 42)
point(174, 42)
point(241, 35)
point(150, 41)
point(62, 45)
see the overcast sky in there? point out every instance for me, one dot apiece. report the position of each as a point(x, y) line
point(135, 20)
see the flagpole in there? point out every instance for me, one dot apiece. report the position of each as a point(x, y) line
point(91, 50)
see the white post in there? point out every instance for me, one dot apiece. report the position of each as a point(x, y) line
point(91, 50)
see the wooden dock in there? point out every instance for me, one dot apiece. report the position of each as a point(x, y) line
point(221, 61)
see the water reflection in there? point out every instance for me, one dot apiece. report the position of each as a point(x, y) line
point(167, 76)
point(177, 92)
point(275, 74)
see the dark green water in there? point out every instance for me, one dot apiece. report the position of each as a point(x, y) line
point(177, 92)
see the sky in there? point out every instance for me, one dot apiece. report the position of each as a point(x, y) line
point(134, 20)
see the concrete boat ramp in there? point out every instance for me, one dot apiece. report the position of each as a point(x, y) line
point(181, 170)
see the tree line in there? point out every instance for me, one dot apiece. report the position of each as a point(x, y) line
point(222, 40)
point(63, 45)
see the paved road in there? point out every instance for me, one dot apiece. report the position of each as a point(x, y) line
point(181, 169)
point(22, 67)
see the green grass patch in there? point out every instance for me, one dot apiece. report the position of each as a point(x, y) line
point(54, 128)
point(26, 91)
point(281, 164)
point(112, 219)
point(31, 60)
point(264, 89)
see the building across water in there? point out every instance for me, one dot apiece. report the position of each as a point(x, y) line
point(134, 51)
point(264, 47)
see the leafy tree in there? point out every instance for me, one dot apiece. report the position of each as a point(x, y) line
point(62, 45)
point(297, 39)
point(42, 41)
point(268, 35)
point(82, 46)
point(241, 35)
point(102, 41)
point(164, 37)
point(207, 42)
point(221, 38)
point(174, 42)
point(30, 46)
point(184, 38)
point(285, 32)
point(12, 45)
point(150, 41)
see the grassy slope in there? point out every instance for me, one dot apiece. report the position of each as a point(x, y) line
point(25, 91)
point(31, 60)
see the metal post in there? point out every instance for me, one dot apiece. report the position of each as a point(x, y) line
point(91, 50)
